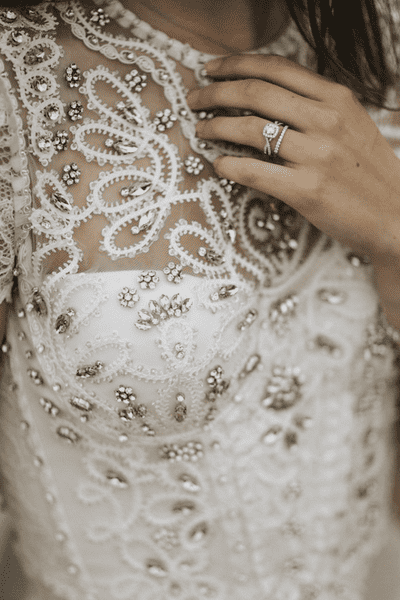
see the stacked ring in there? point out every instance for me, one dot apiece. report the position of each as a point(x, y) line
point(270, 132)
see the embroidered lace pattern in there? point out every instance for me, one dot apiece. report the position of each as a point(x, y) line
point(198, 389)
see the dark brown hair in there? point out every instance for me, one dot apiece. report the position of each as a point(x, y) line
point(357, 42)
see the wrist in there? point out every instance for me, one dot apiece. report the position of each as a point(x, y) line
point(387, 281)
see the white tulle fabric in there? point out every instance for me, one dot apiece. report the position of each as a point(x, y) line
point(228, 435)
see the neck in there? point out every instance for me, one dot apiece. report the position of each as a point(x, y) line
point(213, 27)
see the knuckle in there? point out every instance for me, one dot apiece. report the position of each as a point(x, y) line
point(251, 88)
point(345, 92)
point(332, 119)
point(218, 94)
point(329, 151)
point(240, 62)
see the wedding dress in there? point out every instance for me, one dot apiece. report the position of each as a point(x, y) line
point(198, 392)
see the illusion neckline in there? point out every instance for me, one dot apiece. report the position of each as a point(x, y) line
point(183, 52)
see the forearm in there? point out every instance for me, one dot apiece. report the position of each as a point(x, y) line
point(387, 281)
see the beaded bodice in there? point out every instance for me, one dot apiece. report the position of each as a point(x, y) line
point(198, 384)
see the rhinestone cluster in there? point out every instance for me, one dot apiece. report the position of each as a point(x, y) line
point(60, 140)
point(99, 17)
point(73, 75)
point(164, 309)
point(131, 411)
point(75, 110)
point(229, 185)
point(128, 297)
point(173, 272)
point(275, 224)
point(136, 81)
point(284, 388)
point(148, 280)
point(193, 165)
point(191, 451)
point(164, 119)
point(216, 383)
point(71, 174)
point(281, 312)
point(125, 394)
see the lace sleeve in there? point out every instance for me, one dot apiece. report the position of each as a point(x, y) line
point(8, 183)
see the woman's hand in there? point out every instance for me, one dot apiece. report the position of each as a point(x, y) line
point(338, 171)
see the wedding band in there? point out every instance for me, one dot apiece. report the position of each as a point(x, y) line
point(278, 143)
point(270, 132)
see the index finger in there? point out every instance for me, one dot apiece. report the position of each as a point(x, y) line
point(275, 69)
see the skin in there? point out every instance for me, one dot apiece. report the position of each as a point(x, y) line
point(190, 20)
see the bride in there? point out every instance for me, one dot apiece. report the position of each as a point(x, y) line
point(200, 289)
